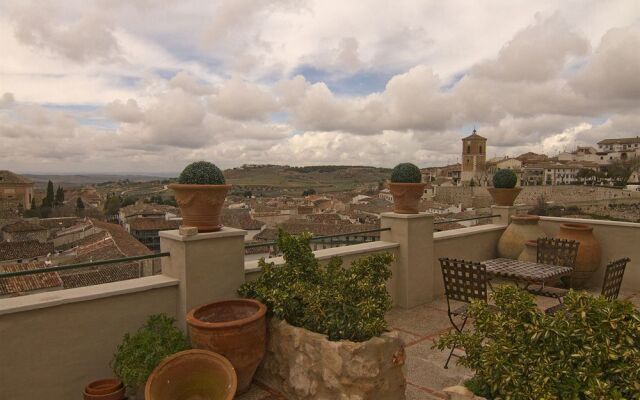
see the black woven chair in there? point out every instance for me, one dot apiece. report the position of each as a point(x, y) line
point(610, 286)
point(554, 251)
point(464, 281)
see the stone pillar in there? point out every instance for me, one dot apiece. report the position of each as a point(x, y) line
point(414, 233)
point(210, 266)
point(505, 213)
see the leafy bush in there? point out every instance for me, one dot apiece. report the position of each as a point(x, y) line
point(341, 303)
point(139, 354)
point(201, 173)
point(590, 350)
point(504, 179)
point(406, 173)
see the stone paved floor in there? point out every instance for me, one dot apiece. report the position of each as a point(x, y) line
point(418, 327)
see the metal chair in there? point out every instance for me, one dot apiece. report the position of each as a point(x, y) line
point(610, 285)
point(464, 281)
point(562, 252)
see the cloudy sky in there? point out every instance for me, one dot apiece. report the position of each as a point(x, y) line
point(150, 85)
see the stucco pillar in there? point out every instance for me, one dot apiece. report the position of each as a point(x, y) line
point(414, 233)
point(210, 266)
point(505, 213)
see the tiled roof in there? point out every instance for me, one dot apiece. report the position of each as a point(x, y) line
point(23, 226)
point(84, 241)
point(240, 219)
point(297, 228)
point(24, 250)
point(148, 209)
point(17, 285)
point(620, 141)
point(65, 222)
point(10, 177)
point(152, 224)
point(99, 275)
point(127, 244)
point(474, 135)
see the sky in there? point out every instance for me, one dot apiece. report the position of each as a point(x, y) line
point(148, 86)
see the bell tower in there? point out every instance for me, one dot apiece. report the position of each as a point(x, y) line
point(474, 156)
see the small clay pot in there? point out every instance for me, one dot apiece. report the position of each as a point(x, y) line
point(406, 197)
point(104, 389)
point(530, 251)
point(201, 205)
point(235, 328)
point(504, 197)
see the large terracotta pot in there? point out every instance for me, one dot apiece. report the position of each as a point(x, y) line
point(504, 197)
point(190, 375)
point(530, 251)
point(104, 389)
point(521, 229)
point(406, 197)
point(236, 329)
point(201, 205)
point(589, 252)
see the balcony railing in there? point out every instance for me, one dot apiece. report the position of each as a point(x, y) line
point(489, 218)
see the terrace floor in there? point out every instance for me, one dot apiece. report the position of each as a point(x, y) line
point(418, 327)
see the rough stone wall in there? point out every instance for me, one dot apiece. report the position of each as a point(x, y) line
point(305, 365)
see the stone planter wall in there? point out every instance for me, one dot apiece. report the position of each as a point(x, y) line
point(305, 365)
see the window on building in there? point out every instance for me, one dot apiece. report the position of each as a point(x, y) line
point(468, 148)
point(480, 148)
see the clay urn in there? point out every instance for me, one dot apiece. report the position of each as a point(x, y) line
point(201, 205)
point(235, 328)
point(530, 251)
point(521, 229)
point(406, 197)
point(504, 197)
point(190, 375)
point(589, 253)
point(105, 389)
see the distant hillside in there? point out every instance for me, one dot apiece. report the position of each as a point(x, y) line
point(88, 179)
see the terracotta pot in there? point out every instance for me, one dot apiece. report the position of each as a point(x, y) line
point(406, 197)
point(104, 389)
point(530, 251)
point(521, 229)
point(589, 253)
point(236, 329)
point(201, 205)
point(190, 375)
point(504, 197)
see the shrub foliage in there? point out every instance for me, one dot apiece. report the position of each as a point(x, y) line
point(338, 302)
point(201, 173)
point(406, 173)
point(139, 354)
point(590, 350)
point(505, 179)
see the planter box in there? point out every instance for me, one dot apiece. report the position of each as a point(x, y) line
point(306, 365)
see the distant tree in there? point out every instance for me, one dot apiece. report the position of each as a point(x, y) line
point(112, 204)
point(33, 203)
point(59, 200)
point(129, 200)
point(79, 204)
point(620, 170)
point(49, 199)
point(309, 192)
point(247, 193)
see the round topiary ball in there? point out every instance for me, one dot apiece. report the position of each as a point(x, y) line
point(505, 179)
point(201, 173)
point(406, 173)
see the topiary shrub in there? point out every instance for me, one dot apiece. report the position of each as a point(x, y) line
point(138, 354)
point(344, 304)
point(201, 173)
point(505, 179)
point(406, 173)
point(590, 350)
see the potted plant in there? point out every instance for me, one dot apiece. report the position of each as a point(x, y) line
point(328, 336)
point(407, 188)
point(504, 190)
point(234, 328)
point(138, 354)
point(200, 194)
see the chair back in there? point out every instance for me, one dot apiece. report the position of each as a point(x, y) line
point(613, 278)
point(562, 252)
point(464, 280)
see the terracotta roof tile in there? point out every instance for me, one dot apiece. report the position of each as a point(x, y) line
point(23, 226)
point(10, 177)
point(18, 285)
point(152, 224)
point(126, 243)
point(24, 250)
point(240, 219)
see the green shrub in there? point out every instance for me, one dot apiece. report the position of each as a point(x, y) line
point(341, 303)
point(590, 350)
point(201, 173)
point(406, 173)
point(504, 179)
point(139, 354)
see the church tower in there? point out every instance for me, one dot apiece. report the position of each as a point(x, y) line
point(474, 155)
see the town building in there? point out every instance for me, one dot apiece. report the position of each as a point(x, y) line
point(24, 251)
point(474, 152)
point(146, 230)
point(16, 192)
point(23, 230)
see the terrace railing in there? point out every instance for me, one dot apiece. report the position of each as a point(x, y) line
point(479, 218)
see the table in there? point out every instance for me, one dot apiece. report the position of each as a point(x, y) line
point(525, 271)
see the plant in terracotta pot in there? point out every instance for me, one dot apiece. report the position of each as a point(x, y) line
point(504, 190)
point(138, 354)
point(200, 194)
point(407, 188)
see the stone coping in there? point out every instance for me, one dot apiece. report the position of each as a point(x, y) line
point(588, 221)
point(470, 231)
point(325, 254)
point(407, 216)
point(86, 293)
point(224, 232)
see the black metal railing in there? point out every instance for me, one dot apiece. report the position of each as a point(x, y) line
point(476, 218)
point(81, 265)
point(319, 242)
